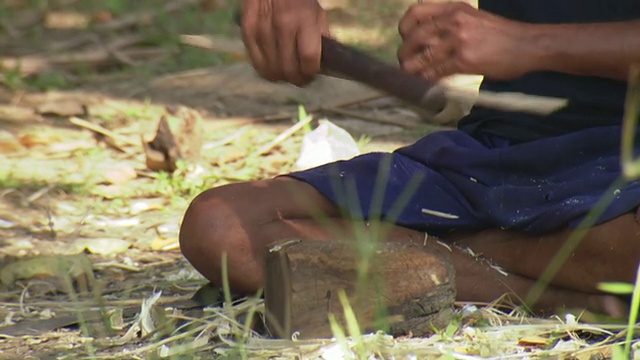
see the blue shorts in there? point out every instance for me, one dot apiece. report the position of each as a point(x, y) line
point(449, 180)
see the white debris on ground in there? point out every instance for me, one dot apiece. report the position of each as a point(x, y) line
point(326, 143)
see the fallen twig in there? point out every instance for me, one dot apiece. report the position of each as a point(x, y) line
point(113, 137)
point(74, 42)
point(285, 134)
point(24, 21)
point(216, 43)
point(9, 29)
point(36, 64)
point(229, 139)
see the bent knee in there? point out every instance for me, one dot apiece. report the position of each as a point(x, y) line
point(218, 222)
point(206, 226)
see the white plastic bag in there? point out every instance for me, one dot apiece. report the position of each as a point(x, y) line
point(327, 143)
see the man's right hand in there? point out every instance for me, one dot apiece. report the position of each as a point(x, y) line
point(283, 38)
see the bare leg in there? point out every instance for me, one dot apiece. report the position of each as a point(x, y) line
point(242, 219)
point(608, 252)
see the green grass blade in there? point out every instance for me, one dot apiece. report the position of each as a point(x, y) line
point(631, 166)
point(633, 316)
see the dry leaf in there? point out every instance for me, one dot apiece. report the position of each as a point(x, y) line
point(65, 20)
point(139, 207)
point(18, 114)
point(165, 244)
point(101, 246)
point(70, 146)
point(63, 108)
point(179, 136)
point(231, 153)
point(119, 174)
point(535, 341)
point(38, 138)
point(107, 191)
point(102, 16)
point(64, 268)
point(9, 143)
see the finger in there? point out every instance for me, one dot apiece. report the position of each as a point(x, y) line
point(287, 33)
point(421, 13)
point(258, 38)
point(425, 35)
point(441, 70)
point(324, 24)
point(309, 45)
point(440, 51)
point(249, 24)
point(420, 61)
point(267, 42)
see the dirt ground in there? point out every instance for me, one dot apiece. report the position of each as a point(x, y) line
point(82, 87)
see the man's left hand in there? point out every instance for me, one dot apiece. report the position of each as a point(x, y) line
point(442, 39)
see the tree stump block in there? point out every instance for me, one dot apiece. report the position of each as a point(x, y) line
point(409, 288)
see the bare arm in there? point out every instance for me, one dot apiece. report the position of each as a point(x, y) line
point(605, 50)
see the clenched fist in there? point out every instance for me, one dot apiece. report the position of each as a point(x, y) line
point(283, 38)
point(442, 39)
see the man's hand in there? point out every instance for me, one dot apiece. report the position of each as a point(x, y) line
point(442, 39)
point(283, 38)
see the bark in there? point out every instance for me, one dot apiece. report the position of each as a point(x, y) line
point(409, 289)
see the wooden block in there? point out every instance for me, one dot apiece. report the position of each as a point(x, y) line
point(413, 286)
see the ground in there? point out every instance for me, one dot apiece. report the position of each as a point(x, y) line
point(82, 86)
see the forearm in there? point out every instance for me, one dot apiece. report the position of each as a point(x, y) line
point(605, 50)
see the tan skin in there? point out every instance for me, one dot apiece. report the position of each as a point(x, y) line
point(454, 38)
point(283, 38)
point(283, 41)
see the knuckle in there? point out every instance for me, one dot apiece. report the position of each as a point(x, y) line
point(414, 9)
point(458, 18)
point(401, 30)
point(308, 67)
point(309, 55)
point(464, 58)
point(285, 22)
point(248, 24)
point(440, 69)
point(412, 66)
